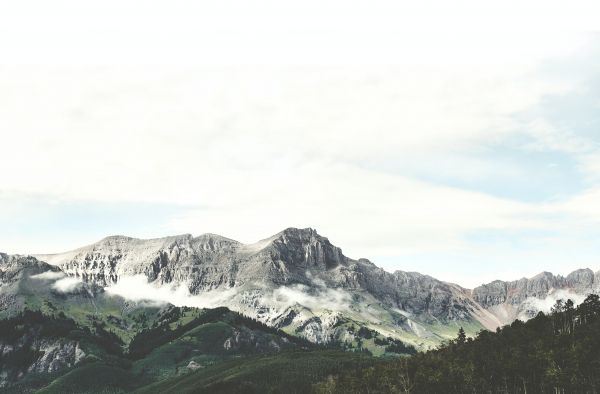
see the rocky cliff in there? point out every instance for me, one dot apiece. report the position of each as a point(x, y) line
point(523, 298)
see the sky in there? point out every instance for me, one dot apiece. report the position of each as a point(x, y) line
point(458, 140)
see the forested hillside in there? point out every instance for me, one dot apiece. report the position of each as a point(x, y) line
point(555, 353)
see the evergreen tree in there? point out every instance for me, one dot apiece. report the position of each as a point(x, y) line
point(462, 337)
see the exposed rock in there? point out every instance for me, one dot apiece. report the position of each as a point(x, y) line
point(246, 339)
point(46, 354)
point(192, 366)
point(56, 355)
point(516, 292)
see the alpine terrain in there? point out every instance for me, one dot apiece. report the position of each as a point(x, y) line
point(209, 314)
point(298, 281)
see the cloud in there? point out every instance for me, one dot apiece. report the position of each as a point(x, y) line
point(137, 288)
point(241, 128)
point(49, 275)
point(67, 285)
point(545, 305)
point(62, 283)
point(330, 299)
point(286, 33)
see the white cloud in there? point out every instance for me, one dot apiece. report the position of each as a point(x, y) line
point(545, 305)
point(49, 275)
point(62, 283)
point(165, 135)
point(273, 302)
point(67, 285)
point(137, 288)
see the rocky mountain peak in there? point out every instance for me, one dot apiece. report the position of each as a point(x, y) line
point(307, 249)
point(544, 275)
point(537, 287)
point(582, 278)
point(214, 242)
point(117, 242)
point(295, 235)
point(114, 239)
point(12, 267)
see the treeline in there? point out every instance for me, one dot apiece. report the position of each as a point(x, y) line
point(556, 353)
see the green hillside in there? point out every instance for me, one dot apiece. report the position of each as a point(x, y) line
point(289, 372)
point(176, 342)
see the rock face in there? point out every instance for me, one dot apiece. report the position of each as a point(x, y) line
point(246, 340)
point(523, 298)
point(516, 292)
point(13, 267)
point(30, 349)
point(205, 262)
point(13, 270)
point(47, 355)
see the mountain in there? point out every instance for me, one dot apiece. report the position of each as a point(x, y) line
point(60, 335)
point(524, 298)
point(101, 313)
point(295, 280)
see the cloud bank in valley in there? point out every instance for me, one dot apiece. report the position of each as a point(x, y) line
point(137, 288)
point(545, 305)
point(60, 281)
point(49, 275)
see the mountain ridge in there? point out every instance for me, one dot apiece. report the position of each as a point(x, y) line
point(300, 264)
point(263, 243)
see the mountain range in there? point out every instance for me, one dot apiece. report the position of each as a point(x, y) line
point(127, 314)
point(298, 281)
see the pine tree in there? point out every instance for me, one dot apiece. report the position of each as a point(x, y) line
point(462, 337)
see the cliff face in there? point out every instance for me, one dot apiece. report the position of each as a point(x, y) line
point(15, 267)
point(45, 355)
point(205, 262)
point(540, 286)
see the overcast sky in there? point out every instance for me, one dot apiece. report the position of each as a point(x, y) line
point(454, 139)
